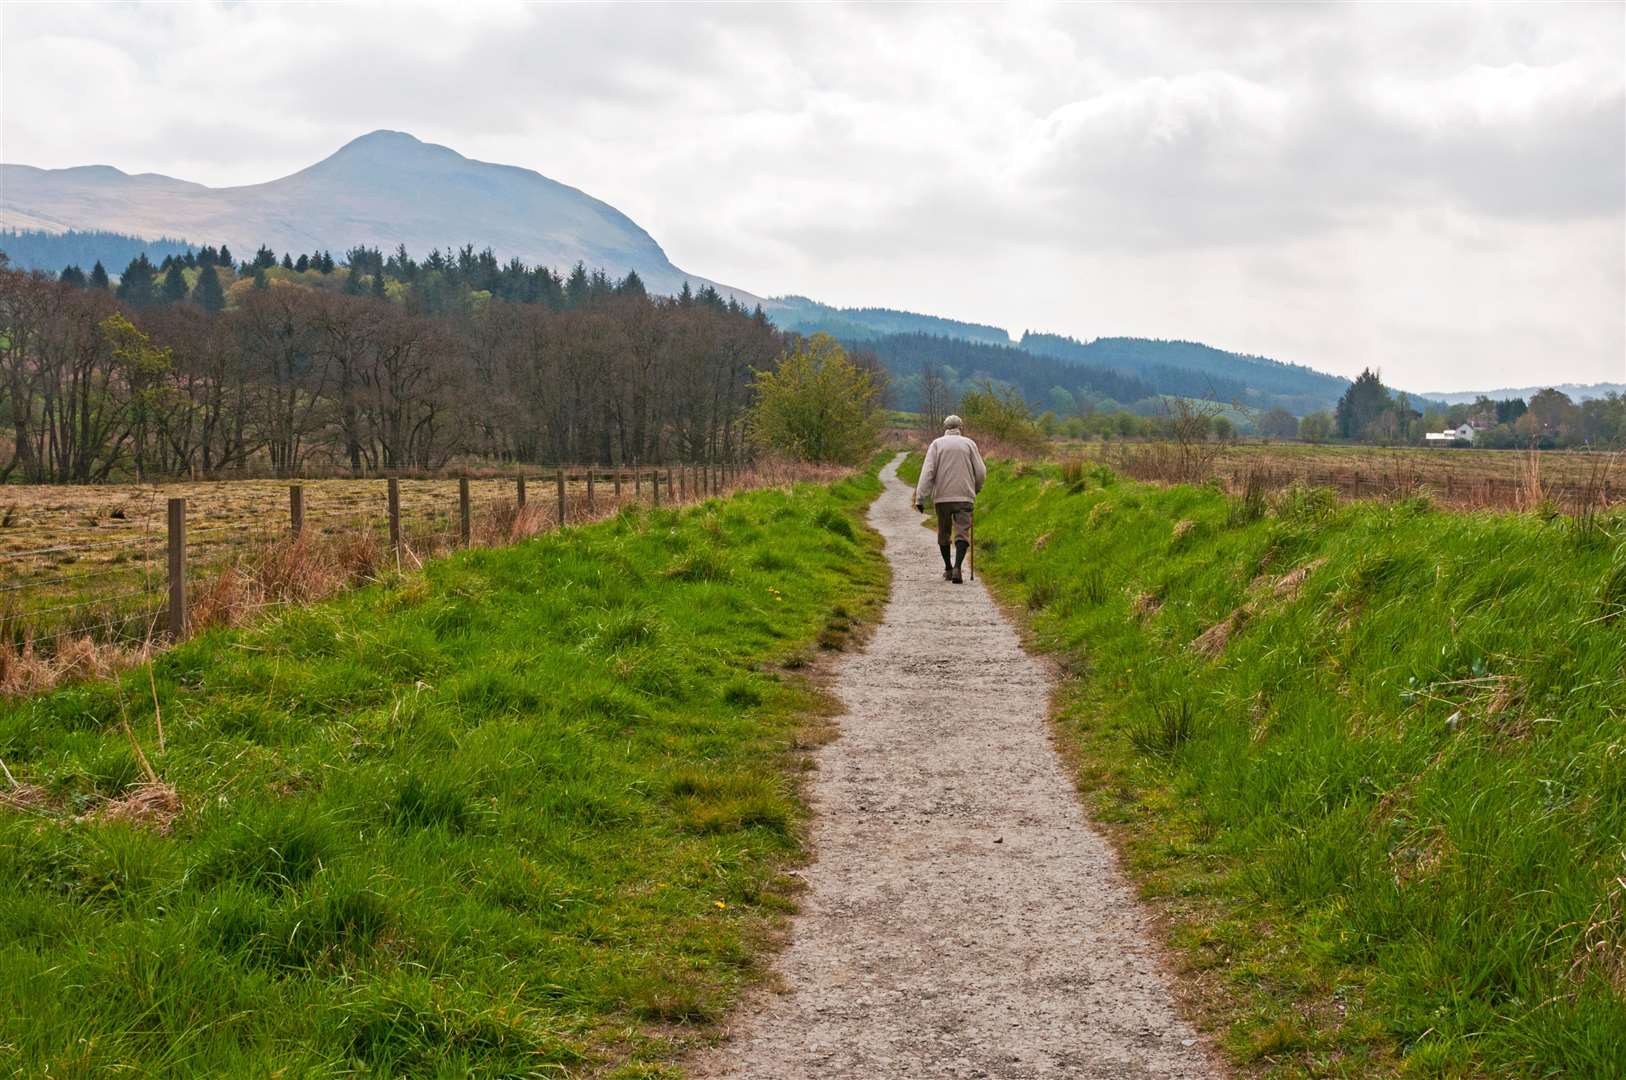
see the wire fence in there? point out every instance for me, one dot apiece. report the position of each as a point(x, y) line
point(225, 559)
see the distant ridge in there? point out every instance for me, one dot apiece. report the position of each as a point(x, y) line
point(1576, 392)
point(382, 189)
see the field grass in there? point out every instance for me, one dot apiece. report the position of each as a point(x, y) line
point(521, 814)
point(1369, 758)
point(1460, 477)
point(90, 561)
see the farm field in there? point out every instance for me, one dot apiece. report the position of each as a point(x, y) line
point(92, 559)
point(1365, 757)
point(521, 813)
point(1455, 477)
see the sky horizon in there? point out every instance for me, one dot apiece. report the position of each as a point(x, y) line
point(1437, 191)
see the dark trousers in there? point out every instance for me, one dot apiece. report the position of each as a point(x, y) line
point(953, 522)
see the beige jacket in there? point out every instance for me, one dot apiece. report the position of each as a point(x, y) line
point(953, 471)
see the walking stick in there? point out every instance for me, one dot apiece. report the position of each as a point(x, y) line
point(971, 535)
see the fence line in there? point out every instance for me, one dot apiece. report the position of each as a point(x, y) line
point(188, 574)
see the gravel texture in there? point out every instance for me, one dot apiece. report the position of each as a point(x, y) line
point(962, 918)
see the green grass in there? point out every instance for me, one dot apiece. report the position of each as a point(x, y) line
point(520, 815)
point(1384, 810)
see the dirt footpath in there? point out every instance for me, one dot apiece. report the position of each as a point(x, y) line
point(962, 919)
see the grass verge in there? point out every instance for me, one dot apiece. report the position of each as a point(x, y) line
point(521, 814)
point(1368, 759)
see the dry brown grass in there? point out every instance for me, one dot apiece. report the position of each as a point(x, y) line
point(153, 805)
point(1601, 950)
point(1462, 479)
point(1212, 642)
point(1288, 585)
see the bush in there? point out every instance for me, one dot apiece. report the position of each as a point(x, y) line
point(817, 405)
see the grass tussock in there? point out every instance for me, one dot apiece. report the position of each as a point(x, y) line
point(1366, 756)
point(521, 813)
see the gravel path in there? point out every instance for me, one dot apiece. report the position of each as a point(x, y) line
point(962, 919)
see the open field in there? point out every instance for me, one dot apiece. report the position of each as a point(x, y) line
point(92, 559)
point(519, 814)
point(1365, 756)
point(1463, 478)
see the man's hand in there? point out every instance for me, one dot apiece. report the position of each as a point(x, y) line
point(920, 508)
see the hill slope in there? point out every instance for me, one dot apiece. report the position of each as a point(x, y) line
point(1196, 370)
point(1576, 392)
point(382, 189)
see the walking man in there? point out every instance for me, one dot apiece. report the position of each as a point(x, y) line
point(950, 478)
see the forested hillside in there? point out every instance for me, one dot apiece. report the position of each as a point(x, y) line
point(1122, 369)
point(1045, 381)
point(863, 324)
point(33, 250)
point(1195, 370)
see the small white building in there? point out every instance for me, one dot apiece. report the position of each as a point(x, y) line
point(1464, 432)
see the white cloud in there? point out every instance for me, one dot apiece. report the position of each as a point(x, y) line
point(1437, 188)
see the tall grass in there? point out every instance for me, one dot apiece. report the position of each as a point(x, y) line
point(1372, 757)
point(520, 814)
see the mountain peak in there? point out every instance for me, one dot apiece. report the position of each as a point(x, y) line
point(380, 189)
point(383, 137)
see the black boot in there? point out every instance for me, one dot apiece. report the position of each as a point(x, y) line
point(960, 547)
point(948, 567)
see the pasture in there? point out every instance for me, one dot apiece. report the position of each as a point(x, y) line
point(1462, 478)
point(91, 561)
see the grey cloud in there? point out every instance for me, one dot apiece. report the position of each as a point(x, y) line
point(1241, 172)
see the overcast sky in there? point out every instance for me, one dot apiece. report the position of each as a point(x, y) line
point(1436, 190)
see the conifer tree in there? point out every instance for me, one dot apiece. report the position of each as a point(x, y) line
point(302, 265)
point(174, 290)
point(259, 277)
point(136, 283)
point(577, 287)
point(287, 263)
point(207, 292)
point(352, 282)
point(1365, 400)
point(224, 258)
point(72, 275)
point(378, 284)
point(98, 276)
point(327, 262)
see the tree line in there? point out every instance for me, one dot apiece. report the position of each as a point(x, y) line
point(199, 366)
point(1371, 412)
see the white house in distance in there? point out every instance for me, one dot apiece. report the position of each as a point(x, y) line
point(1464, 432)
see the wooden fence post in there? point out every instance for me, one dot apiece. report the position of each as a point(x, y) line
point(464, 530)
point(669, 487)
point(519, 491)
point(395, 519)
point(618, 485)
point(561, 481)
point(177, 569)
point(590, 499)
point(296, 509)
point(637, 482)
point(655, 488)
point(683, 483)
